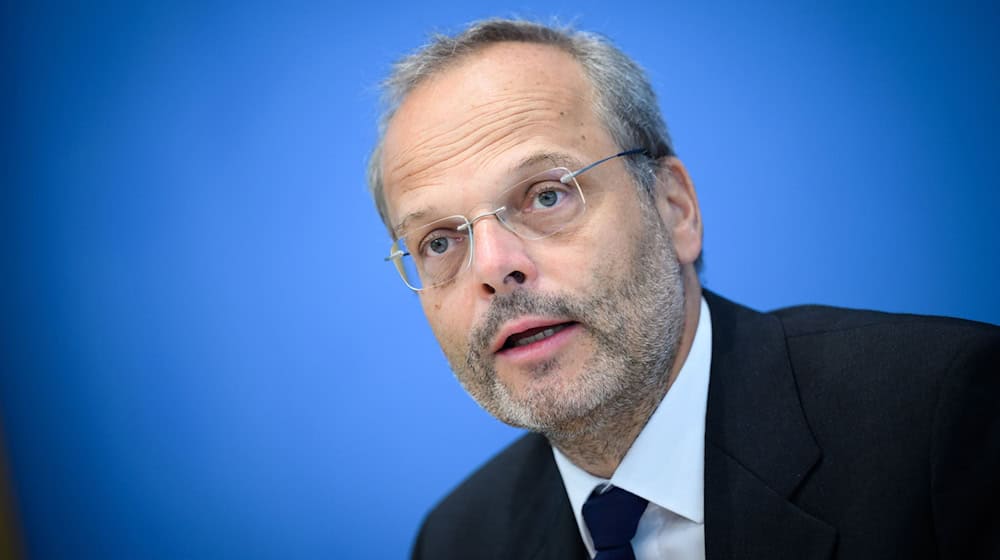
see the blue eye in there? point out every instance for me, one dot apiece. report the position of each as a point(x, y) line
point(439, 245)
point(547, 199)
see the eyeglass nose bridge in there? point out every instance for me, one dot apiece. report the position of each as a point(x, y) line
point(467, 226)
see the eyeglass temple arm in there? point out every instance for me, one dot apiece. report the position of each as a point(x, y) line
point(395, 254)
point(569, 176)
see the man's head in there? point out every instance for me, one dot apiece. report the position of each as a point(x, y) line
point(544, 333)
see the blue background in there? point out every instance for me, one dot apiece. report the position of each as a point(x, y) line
point(203, 353)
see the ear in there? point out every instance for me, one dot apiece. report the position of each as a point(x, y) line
point(677, 205)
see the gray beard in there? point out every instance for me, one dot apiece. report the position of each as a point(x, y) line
point(635, 317)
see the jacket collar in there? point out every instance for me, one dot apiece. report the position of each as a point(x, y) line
point(758, 445)
point(545, 527)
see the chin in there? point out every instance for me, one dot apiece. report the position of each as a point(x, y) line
point(547, 402)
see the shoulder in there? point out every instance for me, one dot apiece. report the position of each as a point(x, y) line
point(850, 338)
point(485, 508)
point(891, 380)
point(839, 344)
point(910, 395)
point(806, 320)
point(860, 376)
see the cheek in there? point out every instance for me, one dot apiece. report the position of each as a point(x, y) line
point(448, 320)
point(605, 242)
point(434, 312)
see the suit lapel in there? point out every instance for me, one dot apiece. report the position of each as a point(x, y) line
point(758, 446)
point(560, 538)
point(746, 519)
point(543, 521)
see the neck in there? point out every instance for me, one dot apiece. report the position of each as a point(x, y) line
point(599, 442)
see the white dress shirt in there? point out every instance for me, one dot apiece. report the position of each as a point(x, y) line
point(665, 465)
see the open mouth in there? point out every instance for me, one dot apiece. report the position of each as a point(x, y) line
point(531, 336)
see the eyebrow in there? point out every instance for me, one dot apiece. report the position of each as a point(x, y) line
point(404, 224)
point(559, 159)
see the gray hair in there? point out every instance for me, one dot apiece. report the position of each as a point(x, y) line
point(625, 100)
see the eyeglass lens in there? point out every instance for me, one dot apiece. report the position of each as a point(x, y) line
point(537, 207)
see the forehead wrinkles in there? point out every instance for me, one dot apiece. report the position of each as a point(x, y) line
point(484, 131)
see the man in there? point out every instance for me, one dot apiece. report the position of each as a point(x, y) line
point(537, 207)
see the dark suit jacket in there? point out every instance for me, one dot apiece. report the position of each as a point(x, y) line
point(829, 434)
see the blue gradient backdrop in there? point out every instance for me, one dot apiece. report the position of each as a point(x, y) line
point(203, 354)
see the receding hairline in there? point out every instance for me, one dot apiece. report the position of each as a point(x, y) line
point(467, 55)
point(395, 90)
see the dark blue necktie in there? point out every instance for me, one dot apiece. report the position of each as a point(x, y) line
point(612, 518)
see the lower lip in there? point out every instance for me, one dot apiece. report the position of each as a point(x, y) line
point(540, 350)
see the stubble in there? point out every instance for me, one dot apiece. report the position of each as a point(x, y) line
point(634, 316)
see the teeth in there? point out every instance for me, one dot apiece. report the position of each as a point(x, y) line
point(539, 336)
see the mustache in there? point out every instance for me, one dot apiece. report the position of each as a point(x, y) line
point(507, 307)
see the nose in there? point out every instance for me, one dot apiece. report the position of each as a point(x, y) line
point(500, 263)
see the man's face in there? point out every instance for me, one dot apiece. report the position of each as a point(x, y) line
point(540, 332)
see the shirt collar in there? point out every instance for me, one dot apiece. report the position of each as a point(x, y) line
point(666, 462)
